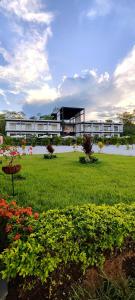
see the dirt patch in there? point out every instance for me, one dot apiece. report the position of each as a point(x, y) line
point(120, 266)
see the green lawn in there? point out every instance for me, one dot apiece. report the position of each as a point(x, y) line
point(64, 181)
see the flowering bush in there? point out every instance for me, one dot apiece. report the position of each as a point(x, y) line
point(15, 222)
point(73, 238)
point(11, 153)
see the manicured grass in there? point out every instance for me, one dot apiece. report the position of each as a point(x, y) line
point(64, 181)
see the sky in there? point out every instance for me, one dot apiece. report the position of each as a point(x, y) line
point(67, 53)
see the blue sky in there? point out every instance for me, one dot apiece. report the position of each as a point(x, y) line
point(72, 53)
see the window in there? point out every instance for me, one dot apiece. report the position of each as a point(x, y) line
point(107, 128)
point(116, 128)
point(28, 127)
point(53, 127)
point(40, 127)
point(12, 126)
point(96, 128)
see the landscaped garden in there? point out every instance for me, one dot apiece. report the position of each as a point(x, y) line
point(70, 234)
point(48, 184)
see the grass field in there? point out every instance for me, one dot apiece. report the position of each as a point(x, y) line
point(61, 182)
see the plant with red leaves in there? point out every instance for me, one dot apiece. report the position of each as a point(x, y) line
point(87, 146)
point(50, 149)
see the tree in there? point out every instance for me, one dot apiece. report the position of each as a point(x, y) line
point(109, 121)
point(128, 120)
point(87, 146)
point(46, 117)
point(2, 124)
point(14, 115)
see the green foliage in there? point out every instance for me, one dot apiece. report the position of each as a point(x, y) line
point(2, 124)
point(129, 130)
point(101, 146)
point(79, 140)
point(84, 160)
point(127, 117)
point(79, 235)
point(57, 140)
point(48, 156)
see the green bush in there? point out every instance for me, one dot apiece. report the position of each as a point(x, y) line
point(48, 156)
point(84, 160)
point(77, 235)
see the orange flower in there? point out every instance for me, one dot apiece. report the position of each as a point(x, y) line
point(36, 215)
point(17, 237)
point(13, 203)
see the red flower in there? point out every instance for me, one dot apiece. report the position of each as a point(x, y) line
point(13, 203)
point(36, 215)
point(17, 237)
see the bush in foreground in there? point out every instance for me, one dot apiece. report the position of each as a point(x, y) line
point(64, 243)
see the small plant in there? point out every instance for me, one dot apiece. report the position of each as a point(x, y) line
point(50, 154)
point(11, 153)
point(87, 148)
point(100, 146)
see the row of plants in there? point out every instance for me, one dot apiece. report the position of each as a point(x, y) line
point(57, 140)
point(51, 251)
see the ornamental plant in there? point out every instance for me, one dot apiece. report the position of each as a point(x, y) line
point(15, 222)
point(50, 154)
point(50, 149)
point(81, 236)
point(100, 146)
point(11, 153)
point(87, 148)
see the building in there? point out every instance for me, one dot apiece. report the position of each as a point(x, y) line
point(66, 121)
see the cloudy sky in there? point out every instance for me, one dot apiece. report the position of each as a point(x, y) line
point(67, 52)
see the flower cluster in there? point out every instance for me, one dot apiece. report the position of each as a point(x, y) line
point(11, 153)
point(16, 222)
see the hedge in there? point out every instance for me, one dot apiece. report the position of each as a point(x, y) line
point(79, 235)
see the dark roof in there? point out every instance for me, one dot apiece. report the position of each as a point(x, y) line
point(69, 112)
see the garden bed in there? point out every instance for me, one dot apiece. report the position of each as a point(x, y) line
point(60, 246)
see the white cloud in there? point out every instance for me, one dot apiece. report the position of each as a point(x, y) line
point(124, 80)
point(43, 94)
point(27, 10)
point(28, 62)
point(100, 8)
point(102, 95)
point(4, 96)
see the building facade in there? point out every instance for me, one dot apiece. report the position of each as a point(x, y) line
point(66, 121)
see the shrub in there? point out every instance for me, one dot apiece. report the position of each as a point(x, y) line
point(87, 145)
point(87, 148)
point(101, 146)
point(15, 222)
point(50, 149)
point(81, 236)
point(83, 160)
point(48, 156)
